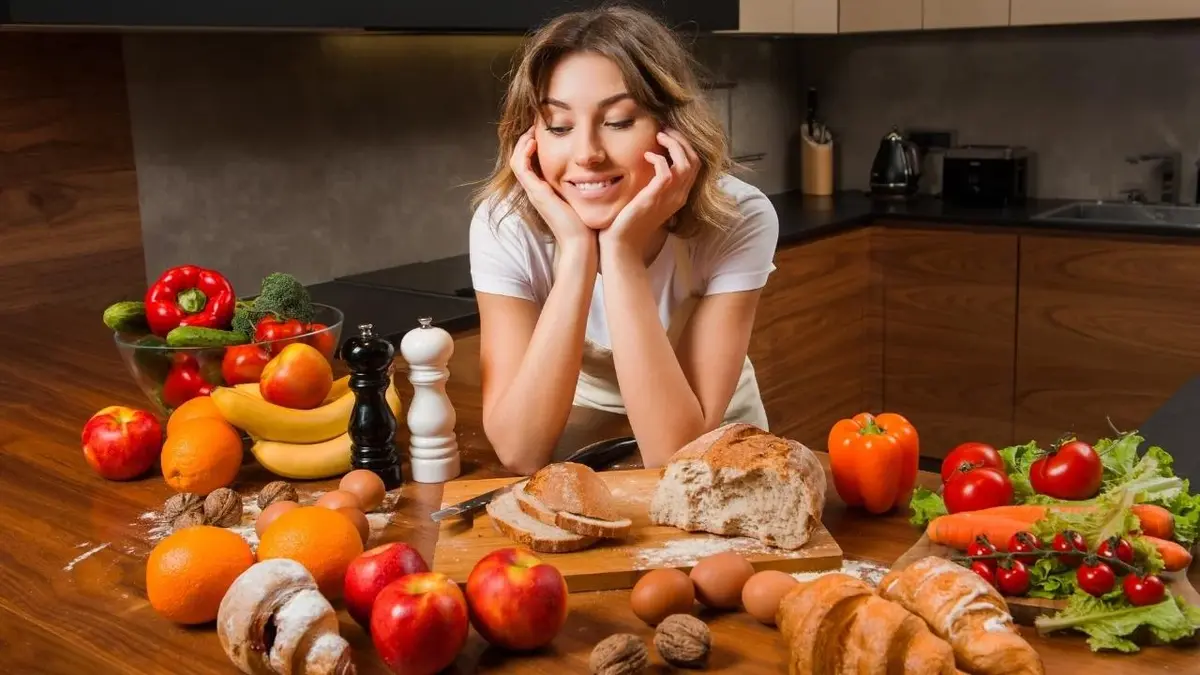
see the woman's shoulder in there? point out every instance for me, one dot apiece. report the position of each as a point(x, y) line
point(749, 198)
point(496, 222)
point(756, 218)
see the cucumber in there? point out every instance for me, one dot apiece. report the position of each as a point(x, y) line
point(127, 316)
point(154, 362)
point(198, 336)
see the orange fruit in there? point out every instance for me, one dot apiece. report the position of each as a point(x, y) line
point(201, 455)
point(189, 572)
point(321, 539)
point(200, 406)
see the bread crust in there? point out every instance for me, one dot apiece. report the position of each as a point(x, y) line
point(566, 544)
point(564, 520)
point(574, 488)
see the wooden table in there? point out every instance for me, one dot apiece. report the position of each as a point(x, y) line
point(72, 587)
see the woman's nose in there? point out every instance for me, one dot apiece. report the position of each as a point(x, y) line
point(588, 150)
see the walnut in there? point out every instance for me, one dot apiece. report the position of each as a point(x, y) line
point(188, 519)
point(683, 640)
point(180, 504)
point(620, 654)
point(276, 491)
point(223, 508)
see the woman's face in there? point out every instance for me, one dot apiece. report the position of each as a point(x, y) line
point(592, 137)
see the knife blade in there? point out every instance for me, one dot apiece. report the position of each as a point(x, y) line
point(596, 456)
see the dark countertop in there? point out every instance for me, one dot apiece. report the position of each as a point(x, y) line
point(442, 288)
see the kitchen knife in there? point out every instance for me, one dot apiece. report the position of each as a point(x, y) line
point(596, 456)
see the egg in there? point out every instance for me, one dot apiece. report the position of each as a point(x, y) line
point(719, 579)
point(763, 591)
point(337, 499)
point(366, 486)
point(661, 593)
point(272, 512)
point(360, 521)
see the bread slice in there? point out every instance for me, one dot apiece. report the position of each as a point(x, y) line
point(508, 518)
point(739, 480)
point(572, 522)
point(574, 488)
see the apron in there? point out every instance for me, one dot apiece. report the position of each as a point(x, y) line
point(597, 385)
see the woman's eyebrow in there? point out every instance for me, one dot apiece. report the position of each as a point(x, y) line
point(603, 104)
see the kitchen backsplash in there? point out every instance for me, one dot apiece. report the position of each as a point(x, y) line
point(1082, 99)
point(331, 155)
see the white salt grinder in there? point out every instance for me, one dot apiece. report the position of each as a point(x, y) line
point(433, 447)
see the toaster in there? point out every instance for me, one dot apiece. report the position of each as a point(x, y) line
point(985, 175)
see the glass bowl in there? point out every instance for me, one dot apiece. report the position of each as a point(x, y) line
point(168, 376)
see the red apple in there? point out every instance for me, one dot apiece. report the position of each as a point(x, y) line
point(120, 443)
point(517, 601)
point(370, 572)
point(419, 623)
point(297, 377)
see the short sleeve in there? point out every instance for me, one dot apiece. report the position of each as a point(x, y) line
point(742, 258)
point(500, 256)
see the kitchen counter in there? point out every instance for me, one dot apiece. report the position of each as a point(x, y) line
point(442, 288)
point(73, 592)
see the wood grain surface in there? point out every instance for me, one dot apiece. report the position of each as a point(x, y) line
point(611, 563)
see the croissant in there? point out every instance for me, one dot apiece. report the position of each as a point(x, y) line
point(274, 621)
point(836, 624)
point(963, 609)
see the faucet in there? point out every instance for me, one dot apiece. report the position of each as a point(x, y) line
point(1169, 168)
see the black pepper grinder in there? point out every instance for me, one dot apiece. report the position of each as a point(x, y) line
point(372, 423)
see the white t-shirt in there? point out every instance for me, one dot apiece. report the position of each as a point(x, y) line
point(512, 259)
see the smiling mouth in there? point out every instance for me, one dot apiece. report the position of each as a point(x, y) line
point(594, 186)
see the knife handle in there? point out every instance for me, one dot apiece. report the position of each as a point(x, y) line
point(599, 455)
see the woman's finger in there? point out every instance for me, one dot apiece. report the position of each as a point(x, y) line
point(662, 172)
point(687, 147)
point(678, 156)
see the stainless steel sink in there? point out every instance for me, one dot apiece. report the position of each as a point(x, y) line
point(1124, 213)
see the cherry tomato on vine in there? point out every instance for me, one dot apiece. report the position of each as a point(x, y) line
point(1023, 542)
point(1147, 590)
point(1067, 541)
point(984, 570)
point(1116, 547)
point(975, 455)
point(977, 489)
point(1095, 577)
point(981, 546)
point(1012, 578)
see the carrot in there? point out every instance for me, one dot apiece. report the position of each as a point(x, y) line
point(1027, 513)
point(958, 530)
point(1155, 520)
point(1175, 557)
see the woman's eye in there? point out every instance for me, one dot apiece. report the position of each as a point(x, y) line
point(558, 131)
point(623, 124)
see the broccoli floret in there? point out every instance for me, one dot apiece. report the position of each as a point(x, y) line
point(283, 296)
point(245, 318)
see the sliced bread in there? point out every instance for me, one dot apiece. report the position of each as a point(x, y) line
point(508, 518)
point(572, 522)
point(574, 488)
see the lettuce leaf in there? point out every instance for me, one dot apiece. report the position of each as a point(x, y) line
point(1017, 460)
point(926, 505)
point(1112, 623)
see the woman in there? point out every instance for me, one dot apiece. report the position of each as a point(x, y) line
point(616, 266)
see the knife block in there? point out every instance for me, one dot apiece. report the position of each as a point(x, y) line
point(816, 165)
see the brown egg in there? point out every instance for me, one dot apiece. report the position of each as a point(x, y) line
point(661, 593)
point(272, 512)
point(337, 499)
point(366, 486)
point(762, 593)
point(360, 521)
point(719, 579)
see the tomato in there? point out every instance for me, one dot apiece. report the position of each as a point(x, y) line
point(243, 363)
point(973, 454)
point(977, 489)
point(1070, 471)
point(1095, 577)
point(1012, 578)
point(873, 465)
point(981, 546)
point(1116, 547)
point(279, 333)
point(321, 341)
point(1067, 541)
point(984, 570)
point(1024, 542)
point(1147, 590)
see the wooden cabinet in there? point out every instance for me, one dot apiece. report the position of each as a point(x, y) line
point(964, 13)
point(787, 16)
point(811, 347)
point(863, 16)
point(1039, 12)
point(1107, 328)
point(949, 325)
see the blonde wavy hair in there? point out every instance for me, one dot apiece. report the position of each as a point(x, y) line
point(662, 78)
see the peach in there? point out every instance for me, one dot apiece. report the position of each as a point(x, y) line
point(298, 377)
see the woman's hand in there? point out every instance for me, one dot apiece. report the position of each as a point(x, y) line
point(662, 197)
point(566, 225)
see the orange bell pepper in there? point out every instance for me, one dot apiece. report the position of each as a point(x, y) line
point(874, 460)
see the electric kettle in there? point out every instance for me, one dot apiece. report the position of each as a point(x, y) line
point(897, 167)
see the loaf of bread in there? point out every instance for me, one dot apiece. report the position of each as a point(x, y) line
point(966, 611)
point(564, 507)
point(836, 624)
point(740, 480)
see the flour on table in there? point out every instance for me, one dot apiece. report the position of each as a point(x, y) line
point(870, 572)
point(686, 552)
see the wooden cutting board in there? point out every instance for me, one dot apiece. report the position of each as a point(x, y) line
point(616, 564)
point(1025, 610)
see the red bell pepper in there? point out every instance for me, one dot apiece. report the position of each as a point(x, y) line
point(189, 296)
point(184, 381)
point(279, 333)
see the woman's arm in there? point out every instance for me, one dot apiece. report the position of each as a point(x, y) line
point(529, 363)
point(671, 400)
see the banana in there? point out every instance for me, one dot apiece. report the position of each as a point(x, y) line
point(263, 419)
point(312, 461)
point(340, 387)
